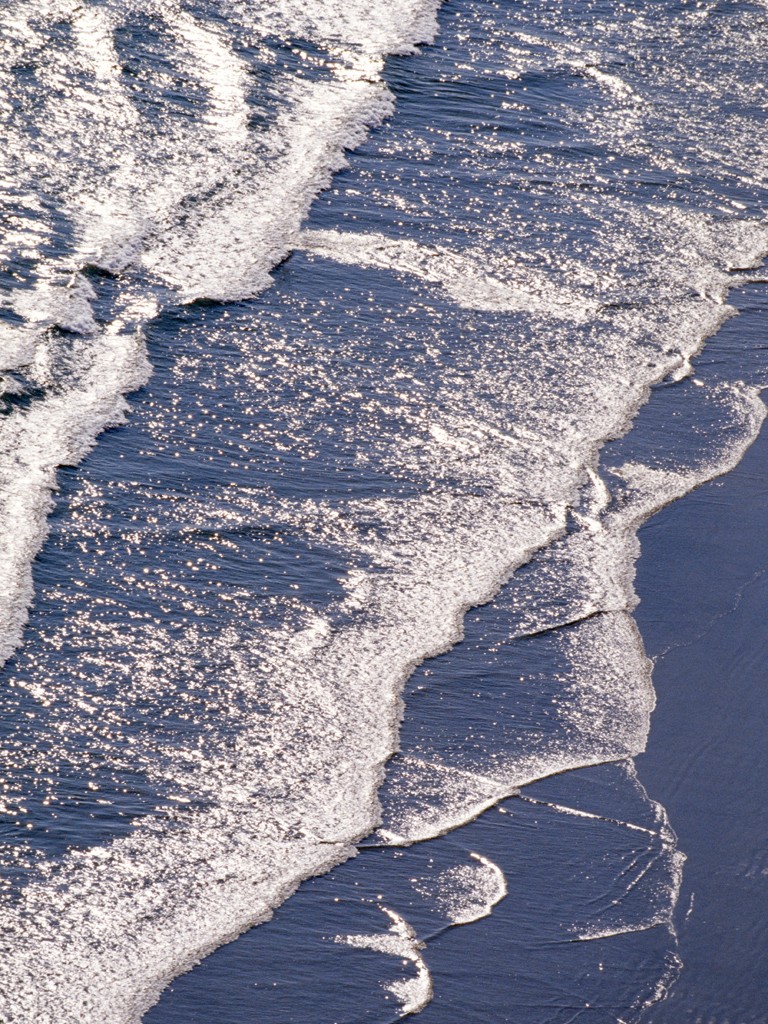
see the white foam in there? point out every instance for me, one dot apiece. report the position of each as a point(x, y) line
point(114, 910)
point(93, 33)
point(400, 941)
point(463, 277)
point(606, 695)
point(325, 801)
point(229, 249)
point(96, 937)
point(613, 83)
point(425, 799)
point(466, 893)
point(227, 252)
point(395, 27)
point(223, 870)
point(223, 73)
point(56, 431)
point(66, 305)
point(463, 894)
point(17, 347)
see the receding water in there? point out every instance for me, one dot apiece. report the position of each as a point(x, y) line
point(324, 328)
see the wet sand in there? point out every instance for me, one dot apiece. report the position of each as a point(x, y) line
point(703, 583)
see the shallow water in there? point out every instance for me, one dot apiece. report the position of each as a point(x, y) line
point(354, 416)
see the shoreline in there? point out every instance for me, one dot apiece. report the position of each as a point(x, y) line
point(503, 263)
point(702, 579)
point(713, 532)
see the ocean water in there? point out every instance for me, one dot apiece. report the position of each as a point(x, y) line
point(346, 346)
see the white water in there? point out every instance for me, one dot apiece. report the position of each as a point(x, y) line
point(219, 205)
point(400, 941)
point(235, 240)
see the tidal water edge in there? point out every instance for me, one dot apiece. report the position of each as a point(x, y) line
point(398, 311)
point(585, 846)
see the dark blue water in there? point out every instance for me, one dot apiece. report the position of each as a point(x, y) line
point(365, 390)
